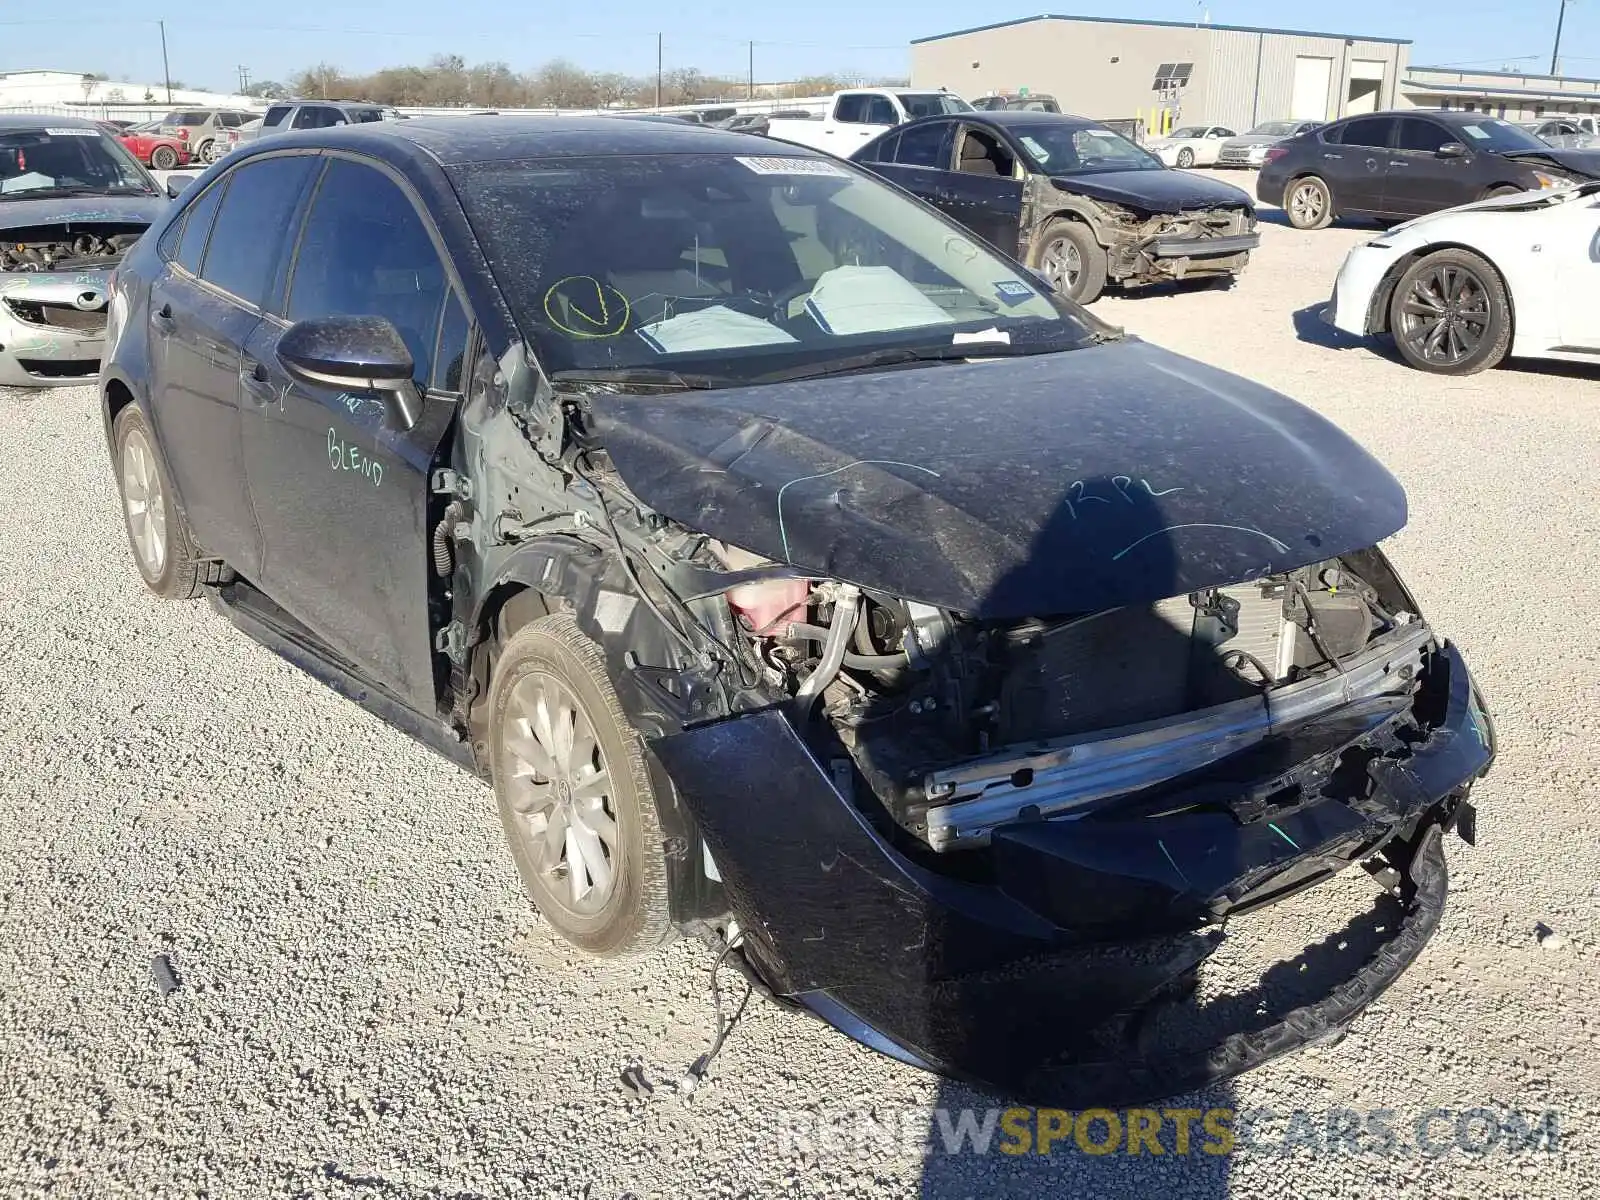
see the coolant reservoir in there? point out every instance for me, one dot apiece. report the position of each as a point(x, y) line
point(763, 605)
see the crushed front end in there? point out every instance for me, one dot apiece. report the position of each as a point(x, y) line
point(54, 289)
point(1143, 248)
point(1006, 849)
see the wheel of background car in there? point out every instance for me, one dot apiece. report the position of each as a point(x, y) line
point(1069, 257)
point(207, 151)
point(1450, 314)
point(1505, 189)
point(163, 548)
point(164, 158)
point(1308, 203)
point(574, 793)
point(1186, 157)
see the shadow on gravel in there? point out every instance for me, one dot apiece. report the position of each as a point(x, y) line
point(1310, 328)
point(1276, 216)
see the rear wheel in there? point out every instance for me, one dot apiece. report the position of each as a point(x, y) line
point(206, 152)
point(164, 158)
point(574, 794)
point(1186, 157)
point(1073, 262)
point(1451, 314)
point(1308, 203)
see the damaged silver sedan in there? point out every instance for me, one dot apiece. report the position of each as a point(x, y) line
point(72, 201)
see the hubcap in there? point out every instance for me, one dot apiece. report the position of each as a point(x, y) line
point(561, 791)
point(1444, 317)
point(1062, 264)
point(1307, 204)
point(144, 503)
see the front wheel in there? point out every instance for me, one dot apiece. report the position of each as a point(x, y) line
point(163, 548)
point(1186, 157)
point(1073, 262)
point(1309, 203)
point(1451, 315)
point(574, 793)
point(164, 158)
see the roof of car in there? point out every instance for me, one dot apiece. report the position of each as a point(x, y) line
point(30, 121)
point(1014, 117)
point(452, 141)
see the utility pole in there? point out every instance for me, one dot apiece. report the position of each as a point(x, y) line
point(658, 70)
point(244, 80)
point(1555, 53)
point(166, 71)
point(752, 71)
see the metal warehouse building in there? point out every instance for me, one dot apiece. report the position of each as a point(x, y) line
point(1167, 72)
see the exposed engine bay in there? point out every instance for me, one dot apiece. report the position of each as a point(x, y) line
point(943, 715)
point(67, 247)
point(54, 292)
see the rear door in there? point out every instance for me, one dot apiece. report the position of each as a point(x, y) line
point(1355, 159)
point(858, 117)
point(1418, 180)
point(203, 308)
point(342, 495)
point(918, 158)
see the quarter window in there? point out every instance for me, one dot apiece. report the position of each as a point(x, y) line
point(365, 252)
point(249, 229)
point(197, 227)
point(452, 344)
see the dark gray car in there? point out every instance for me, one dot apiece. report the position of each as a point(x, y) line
point(1397, 165)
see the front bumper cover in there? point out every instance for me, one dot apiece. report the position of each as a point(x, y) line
point(63, 345)
point(1034, 977)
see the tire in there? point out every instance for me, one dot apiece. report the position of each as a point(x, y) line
point(1186, 157)
point(163, 547)
point(164, 158)
point(1451, 314)
point(551, 661)
point(1504, 189)
point(206, 151)
point(1308, 203)
point(1062, 243)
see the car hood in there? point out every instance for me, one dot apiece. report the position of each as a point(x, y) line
point(1155, 191)
point(1246, 141)
point(1063, 483)
point(81, 210)
point(1579, 162)
point(1530, 201)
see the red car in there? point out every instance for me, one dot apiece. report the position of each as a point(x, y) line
point(153, 149)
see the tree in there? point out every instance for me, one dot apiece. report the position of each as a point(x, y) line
point(267, 89)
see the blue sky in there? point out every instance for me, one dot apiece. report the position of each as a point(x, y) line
point(206, 40)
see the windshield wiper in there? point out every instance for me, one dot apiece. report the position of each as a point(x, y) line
point(646, 376)
point(55, 193)
point(897, 355)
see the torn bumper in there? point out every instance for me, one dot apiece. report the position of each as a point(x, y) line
point(1034, 971)
point(52, 327)
point(1203, 248)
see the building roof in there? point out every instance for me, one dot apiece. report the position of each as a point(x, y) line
point(1523, 75)
point(1349, 37)
point(1489, 89)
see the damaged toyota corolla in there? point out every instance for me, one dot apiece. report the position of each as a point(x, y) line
point(72, 201)
point(804, 577)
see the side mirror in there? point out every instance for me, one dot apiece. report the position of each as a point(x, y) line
point(364, 354)
point(1451, 150)
point(178, 184)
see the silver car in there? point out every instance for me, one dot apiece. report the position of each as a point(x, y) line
point(1250, 149)
point(72, 201)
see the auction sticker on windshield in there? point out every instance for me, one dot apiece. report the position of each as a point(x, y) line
point(793, 166)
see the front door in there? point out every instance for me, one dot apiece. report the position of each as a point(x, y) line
point(1571, 237)
point(1419, 180)
point(984, 192)
point(341, 492)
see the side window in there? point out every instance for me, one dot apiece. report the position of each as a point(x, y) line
point(882, 150)
point(452, 344)
point(982, 154)
point(365, 252)
point(197, 227)
point(851, 108)
point(1423, 136)
point(926, 146)
point(232, 120)
point(276, 115)
point(880, 111)
point(1369, 131)
point(313, 116)
point(249, 229)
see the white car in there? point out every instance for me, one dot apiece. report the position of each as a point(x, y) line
point(1191, 146)
point(1446, 286)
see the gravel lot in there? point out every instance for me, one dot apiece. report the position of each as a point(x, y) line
point(368, 1006)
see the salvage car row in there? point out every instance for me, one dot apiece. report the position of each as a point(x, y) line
point(789, 554)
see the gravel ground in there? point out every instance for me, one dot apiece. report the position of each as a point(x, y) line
point(368, 1006)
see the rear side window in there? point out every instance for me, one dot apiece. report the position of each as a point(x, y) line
point(189, 118)
point(851, 109)
point(249, 229)
point(1422, 135)
point(365, 252)
point(361, 116)
point(882, 150)
point(197, 227)
point(276, 114)
point(1369, 131)
point(926, 146)
point(315, 116)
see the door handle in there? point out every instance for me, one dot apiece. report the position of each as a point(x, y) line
point(255, 381)
point(163, 320)
point(1393, 163)
point(1335, 156)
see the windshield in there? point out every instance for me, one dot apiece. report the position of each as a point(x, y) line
point(1189, 131)
point(934, 104)
point(68, 158)
point(741, 267)
point(1276, 128)
point(1066, 149)
point(1499, 137)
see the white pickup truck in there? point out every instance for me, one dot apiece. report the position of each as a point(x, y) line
point(855, 117)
